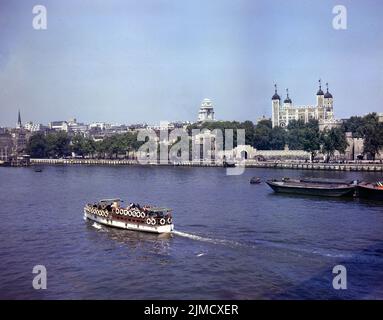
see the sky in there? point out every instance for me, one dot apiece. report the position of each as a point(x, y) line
point(133, 61)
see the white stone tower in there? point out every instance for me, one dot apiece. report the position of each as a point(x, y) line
point(320, 95)
point(276, 103)
point(206, 111)
point(328, 104)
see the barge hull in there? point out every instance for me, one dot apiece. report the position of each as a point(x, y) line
point(323, 192)
point(370, 193)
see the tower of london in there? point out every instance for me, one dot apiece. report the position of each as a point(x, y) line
point(283, 113)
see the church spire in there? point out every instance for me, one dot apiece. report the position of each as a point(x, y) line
point(19, 120)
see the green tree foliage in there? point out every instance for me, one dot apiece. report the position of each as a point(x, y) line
point(373, 135)
point(298, 136)
point(60, 144)
point(311, 138)
point(303, 136)
point(355, 124)
point(262, 133)
point(118, 144)
point(370, 129)
point(82, 146)
point(277, 138)
point(222, 125)
point(333, 140)
point(37, 146)
point(295, 131)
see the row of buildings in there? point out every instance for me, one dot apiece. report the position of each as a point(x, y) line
point(13, 140)
point(283, 112)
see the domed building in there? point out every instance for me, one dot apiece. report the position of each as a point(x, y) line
point(283, 113)
point(206, 111)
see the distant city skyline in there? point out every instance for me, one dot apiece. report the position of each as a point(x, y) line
point(154, 60)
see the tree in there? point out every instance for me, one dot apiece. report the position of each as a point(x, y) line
point(249, 132)
point(58, 144)
point(248, 126)
point(82, 146)
point(37, 145)
point(304, 136)
point(295, 134)
point(368, 128)
point(77, 145)
point(277, 138)
point(333, 140)
point(89, 146)
point(355, 125)
point(262, 134)
point(373, 135)
point(115, 145)
point(311, 138)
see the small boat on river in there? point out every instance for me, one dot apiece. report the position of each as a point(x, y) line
point(147, 218)
point(255, 180)
point(373, 191)
point(315, 187)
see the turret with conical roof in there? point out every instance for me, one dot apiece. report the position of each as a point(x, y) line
point(287, 100)
point(327, 95)
point(328, 103)
point(275, 96)
point(320, 95)
point(320, 92)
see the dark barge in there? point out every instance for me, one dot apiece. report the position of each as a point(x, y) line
point(313, 188)
point(372, 191)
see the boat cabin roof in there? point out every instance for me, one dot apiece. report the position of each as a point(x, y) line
point(158, 209)
point(110, 200)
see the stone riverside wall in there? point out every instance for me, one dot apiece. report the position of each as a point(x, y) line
point(377, 167)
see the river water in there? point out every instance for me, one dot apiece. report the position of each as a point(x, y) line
point(233, 240)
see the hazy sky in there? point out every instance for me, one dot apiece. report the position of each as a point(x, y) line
point(129, 61)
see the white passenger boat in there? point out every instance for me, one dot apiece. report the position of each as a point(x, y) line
point(147, 218)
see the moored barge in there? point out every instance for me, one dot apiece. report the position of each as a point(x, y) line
point(146, 218)
point(372, 191)
point(312, 188)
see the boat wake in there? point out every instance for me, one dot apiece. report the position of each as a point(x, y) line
point(206, 239)
point(96, 226)
point(329, 253)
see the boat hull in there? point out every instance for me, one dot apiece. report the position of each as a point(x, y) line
point(370, 193)
point(125, 224)
point(313, 191)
